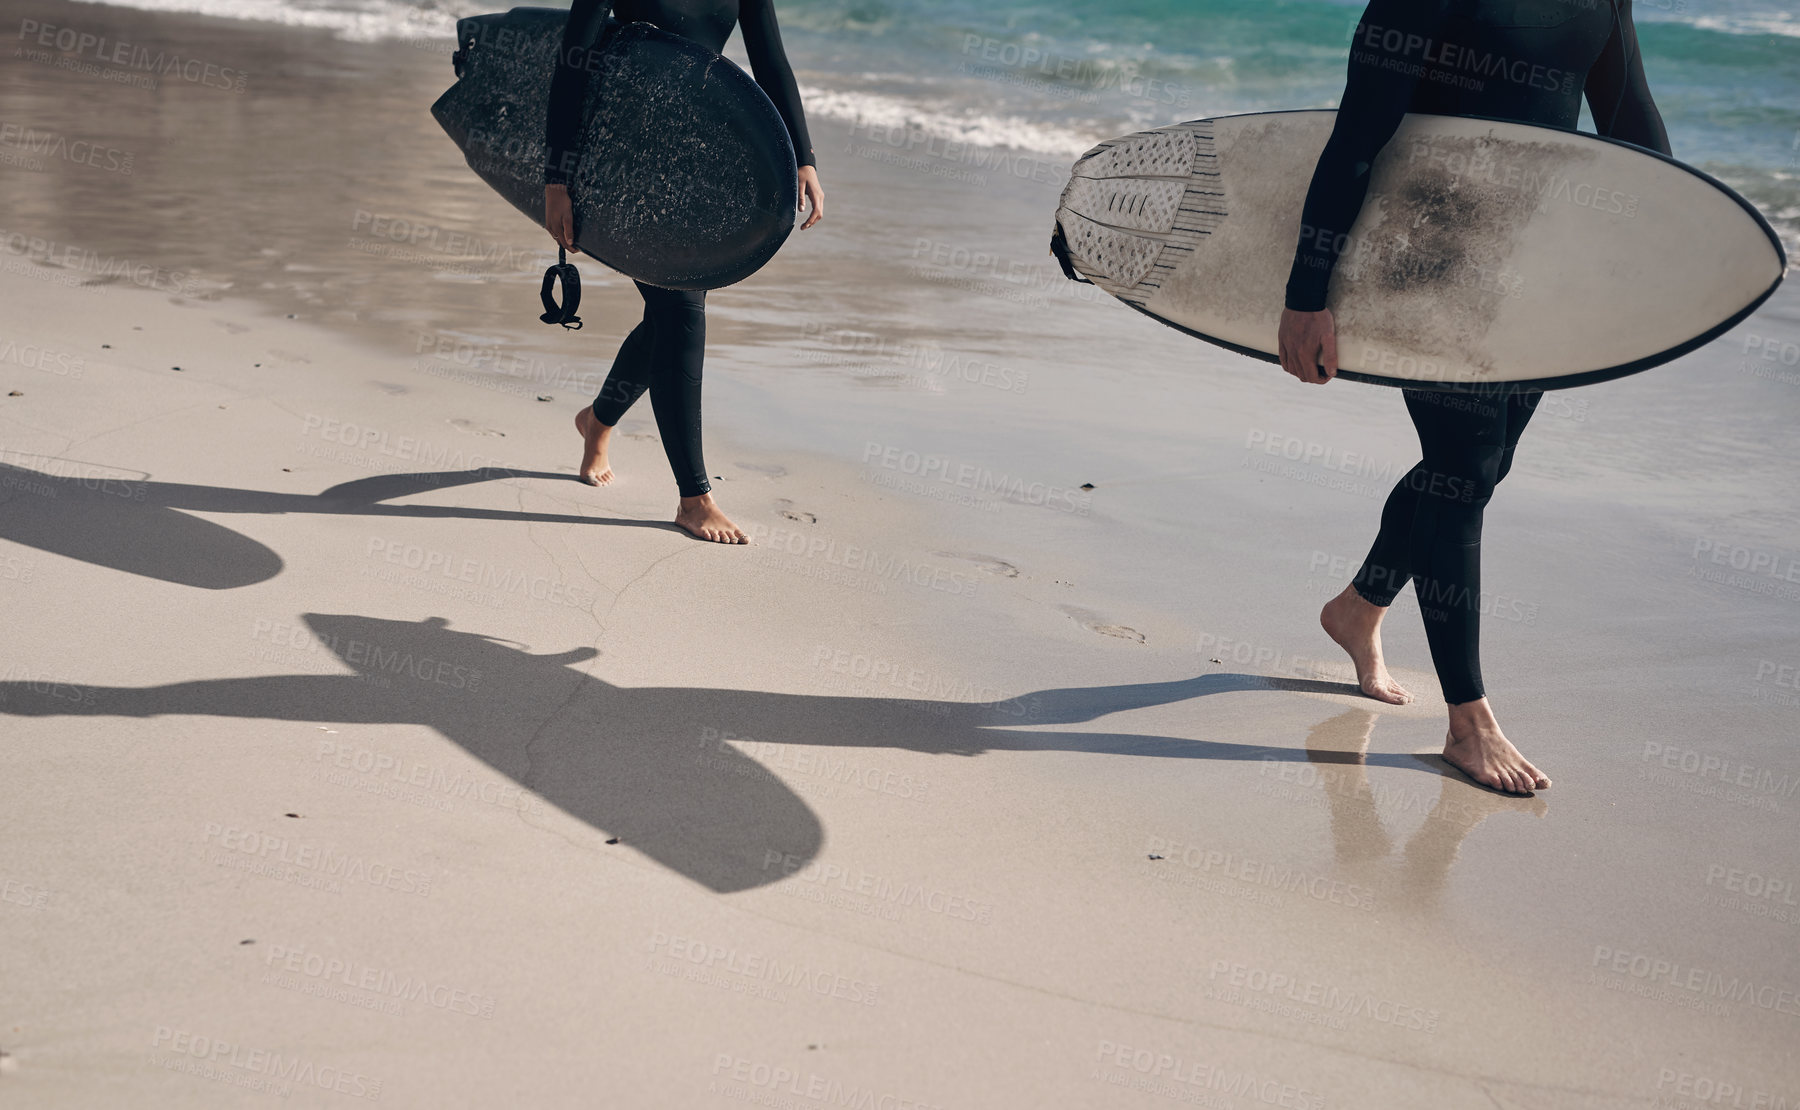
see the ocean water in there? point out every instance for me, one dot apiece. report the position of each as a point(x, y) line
point(1055, 76)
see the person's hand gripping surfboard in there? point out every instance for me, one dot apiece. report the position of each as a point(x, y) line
point(1307, 342)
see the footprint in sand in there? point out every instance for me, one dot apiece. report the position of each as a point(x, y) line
point(768, 470)
point(392, 389)
point(1094, 622)
point(785, 508)
point(1000, 568)
point(473, 428)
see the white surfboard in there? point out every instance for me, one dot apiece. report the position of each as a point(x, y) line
point(1487, 251)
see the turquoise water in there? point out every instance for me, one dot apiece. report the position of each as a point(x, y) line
point(1056, 76)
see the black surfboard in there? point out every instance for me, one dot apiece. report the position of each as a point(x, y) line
point(686, 177)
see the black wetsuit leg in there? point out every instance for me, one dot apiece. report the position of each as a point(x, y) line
point(1431, 525)
point(1525, 60)
point(664, 354)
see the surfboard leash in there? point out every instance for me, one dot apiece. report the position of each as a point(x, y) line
point(563, 313)
point(1059, 247)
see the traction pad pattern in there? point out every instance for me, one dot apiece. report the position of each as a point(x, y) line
point(1113, 259)
point(1136, 207)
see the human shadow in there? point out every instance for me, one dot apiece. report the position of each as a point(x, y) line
point(85, 511)
point(655, 766)
point(1358, 810)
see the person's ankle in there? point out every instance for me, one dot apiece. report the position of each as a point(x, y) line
point(1476, 712)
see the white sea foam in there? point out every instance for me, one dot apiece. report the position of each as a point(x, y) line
point(355, 20)
point(966, 125)
point(1773, 23)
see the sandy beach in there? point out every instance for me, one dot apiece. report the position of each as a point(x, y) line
point(358, 752)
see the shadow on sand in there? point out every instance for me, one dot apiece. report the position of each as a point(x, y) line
point(85, 511)
point(644, 764)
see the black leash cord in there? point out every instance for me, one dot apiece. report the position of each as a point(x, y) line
point(564, 313)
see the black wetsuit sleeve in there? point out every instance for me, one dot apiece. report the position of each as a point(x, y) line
point(1391, 43)
point(768, 61)
point(1618, 96)
point(567, 86)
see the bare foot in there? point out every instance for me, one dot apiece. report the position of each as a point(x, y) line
point(1476, 747)
point(1354, 624)
point(701, 516)
point(595, 470)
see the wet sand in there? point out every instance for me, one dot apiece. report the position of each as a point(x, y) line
point(361, 751)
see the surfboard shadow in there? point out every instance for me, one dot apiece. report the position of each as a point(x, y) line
point(661, 768)
point(86, 511)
